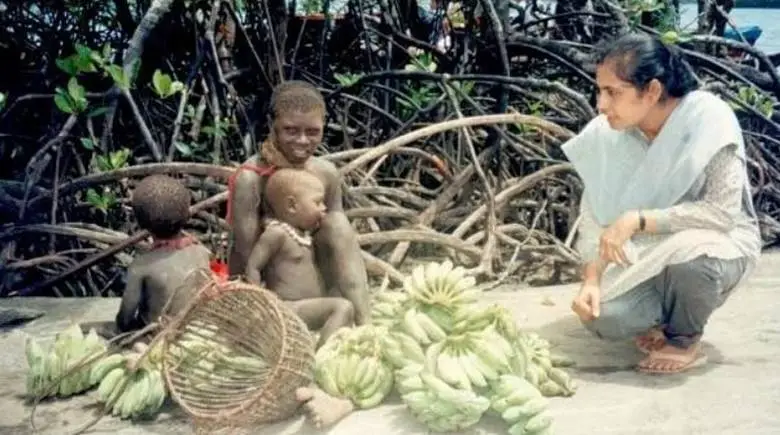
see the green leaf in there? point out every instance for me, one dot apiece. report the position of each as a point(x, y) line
point(183, 148)
point(467, 87)
point(75, 90)
point(87, 143)
point(106, 54)
point(97, 112)
point(670, 38)
point(102, 163)
point(177, 87)
point(347, 79)
point(118, 75)
point(162, 83)
point(84, 64)
point(67, 65)
point(83, 58)
point(83, 50)
point(62, 101)
point(118, 159)
point(95, 199)
point(3, 100)
point(77, 94)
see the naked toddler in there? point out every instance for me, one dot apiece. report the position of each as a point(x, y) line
point(283, 257)
point(173, 269)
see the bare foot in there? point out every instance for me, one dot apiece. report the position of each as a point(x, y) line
point(324, 410)
point(653, 340)
point(670, 359)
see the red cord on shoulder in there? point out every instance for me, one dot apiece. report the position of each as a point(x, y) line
point(263, 171)
point(219, 269)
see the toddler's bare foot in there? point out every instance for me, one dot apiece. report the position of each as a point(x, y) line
point(653, 340)
point(323, 409)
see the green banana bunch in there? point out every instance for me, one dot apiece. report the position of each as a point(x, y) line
point(400, 349)
point(365, 381)
point(521, 405)
point(470, 360)
point(131, 394)
point(438, 290)
point(542, 370)
point(496, 320)
point(106, 365)
point(433, 402)
point(420, 326)
point(475, 318)
point(387, 307)
point(67, 355)
point(350, 365)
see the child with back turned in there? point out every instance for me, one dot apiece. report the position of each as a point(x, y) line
point(163, 280)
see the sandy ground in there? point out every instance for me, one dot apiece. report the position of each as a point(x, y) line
point(737, 393)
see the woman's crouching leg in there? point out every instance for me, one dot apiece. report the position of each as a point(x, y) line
point(692, 291)
point(629, 315)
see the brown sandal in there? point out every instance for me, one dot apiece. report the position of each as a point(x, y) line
point(684, 362)
point(653, 340)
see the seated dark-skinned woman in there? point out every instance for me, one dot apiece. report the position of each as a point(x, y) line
point(668, 228)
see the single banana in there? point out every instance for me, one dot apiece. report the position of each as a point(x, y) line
point(412, 326)
point(409, 384)
point(105, 365)
point(492, 355)
point(467, 361)
point(410, 347)
point(158, 393)
point(326, 380)
point(459, 371)
point(538, 423)
point(109, 382)
point(362, 371)
point(446, 368)
point(116, 393)
point(432, 330)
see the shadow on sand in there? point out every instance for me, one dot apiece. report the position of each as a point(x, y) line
point(613, 362)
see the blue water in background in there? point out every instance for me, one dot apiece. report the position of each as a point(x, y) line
point(767, 19)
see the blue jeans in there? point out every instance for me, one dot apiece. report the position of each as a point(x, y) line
point(682, 298)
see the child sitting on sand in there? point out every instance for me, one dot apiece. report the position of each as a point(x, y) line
point(163, 280)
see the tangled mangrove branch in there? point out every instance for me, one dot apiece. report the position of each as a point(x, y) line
point(445, 121)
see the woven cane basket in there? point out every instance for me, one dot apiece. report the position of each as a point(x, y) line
point(235, 358)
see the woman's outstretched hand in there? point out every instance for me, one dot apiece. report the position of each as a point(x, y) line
point(587, 303)
point(615, 236)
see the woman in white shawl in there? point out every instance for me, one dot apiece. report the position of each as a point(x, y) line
point(668, 228)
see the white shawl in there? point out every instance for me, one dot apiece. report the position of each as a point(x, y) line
point(621, 173)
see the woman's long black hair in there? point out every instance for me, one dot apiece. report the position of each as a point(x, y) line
point(639, 58)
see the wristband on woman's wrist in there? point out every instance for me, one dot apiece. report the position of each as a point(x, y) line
point(642, 221)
